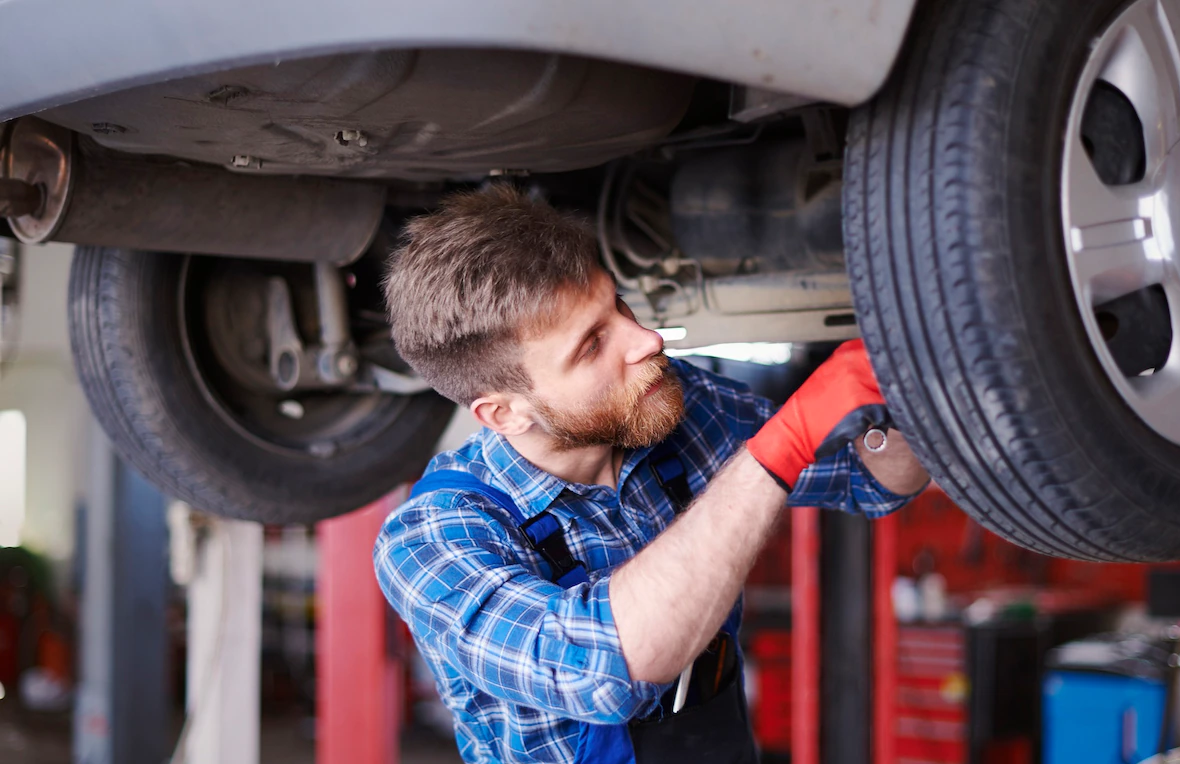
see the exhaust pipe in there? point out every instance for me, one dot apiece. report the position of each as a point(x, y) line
point(56, 188)
point(18, 198)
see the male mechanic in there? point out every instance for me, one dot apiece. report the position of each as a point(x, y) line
point(572, 573)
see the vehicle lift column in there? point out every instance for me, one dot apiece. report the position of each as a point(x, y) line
point(122, 707)
point(123, 711)
point(223, 700)
point(844, 638)
point(359, 683)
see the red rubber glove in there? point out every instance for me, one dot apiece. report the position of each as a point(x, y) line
point(838, 402)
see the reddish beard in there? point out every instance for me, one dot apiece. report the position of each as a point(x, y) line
point(625, 417)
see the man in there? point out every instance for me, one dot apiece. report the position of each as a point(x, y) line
point(538, 566)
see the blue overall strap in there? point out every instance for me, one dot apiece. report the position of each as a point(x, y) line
point(465, 481)
point(543, 531)
point(546, 536)
point(670, 473)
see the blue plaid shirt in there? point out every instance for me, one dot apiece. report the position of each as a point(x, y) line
point(521, 662)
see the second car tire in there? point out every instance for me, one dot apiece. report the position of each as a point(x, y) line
point(127, 331)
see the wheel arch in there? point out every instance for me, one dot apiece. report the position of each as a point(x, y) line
point(793, 47)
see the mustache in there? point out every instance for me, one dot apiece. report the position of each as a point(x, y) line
point(622, 416)
point(656, 370)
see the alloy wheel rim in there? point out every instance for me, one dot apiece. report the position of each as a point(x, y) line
point(1120, 235)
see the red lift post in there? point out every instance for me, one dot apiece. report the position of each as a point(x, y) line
point(885, 534)
point(359, 685)
point(805, 636)
point(806, 653)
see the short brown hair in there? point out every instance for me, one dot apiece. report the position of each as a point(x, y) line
point(470, 279)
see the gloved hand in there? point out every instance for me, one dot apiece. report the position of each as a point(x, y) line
point(838, 402)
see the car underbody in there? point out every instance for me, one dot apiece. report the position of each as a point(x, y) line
point(724, 215)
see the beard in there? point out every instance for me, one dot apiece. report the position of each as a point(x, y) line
point(625, 417)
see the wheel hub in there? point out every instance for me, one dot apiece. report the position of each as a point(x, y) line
point(1120, 227)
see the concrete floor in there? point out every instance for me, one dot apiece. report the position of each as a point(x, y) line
point(33, 739)
point(45, 739)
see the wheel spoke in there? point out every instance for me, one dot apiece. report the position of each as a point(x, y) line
point(1114, 259)
point(1090, 202)
point(1156, 398)
point(1111, 243)
point(1172, 293)
point(1144, 63)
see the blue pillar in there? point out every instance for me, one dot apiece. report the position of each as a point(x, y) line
point(123, 708)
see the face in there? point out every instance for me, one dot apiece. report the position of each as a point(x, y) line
point(599, 378)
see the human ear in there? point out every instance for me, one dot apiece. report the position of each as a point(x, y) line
point(507, 415)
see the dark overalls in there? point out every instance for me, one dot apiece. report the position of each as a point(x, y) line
point(714, 725)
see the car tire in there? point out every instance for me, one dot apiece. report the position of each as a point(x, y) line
point(964, 284)
point(130, 337)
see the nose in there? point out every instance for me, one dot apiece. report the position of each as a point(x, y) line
point(644, 343)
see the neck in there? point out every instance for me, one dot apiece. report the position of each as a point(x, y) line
point(593, 465)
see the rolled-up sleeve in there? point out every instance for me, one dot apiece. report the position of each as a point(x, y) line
point(452, 574)
point(842, 482)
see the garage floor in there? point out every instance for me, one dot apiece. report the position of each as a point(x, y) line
point(39, 739)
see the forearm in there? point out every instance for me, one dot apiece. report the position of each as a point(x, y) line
point(894, 466)
point(669, 601)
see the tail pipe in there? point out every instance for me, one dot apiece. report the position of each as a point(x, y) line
point(55, 187)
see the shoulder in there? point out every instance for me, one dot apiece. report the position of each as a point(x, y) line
point(703, 380)
point(439, 535)
point(448, 514)
point(445, 516)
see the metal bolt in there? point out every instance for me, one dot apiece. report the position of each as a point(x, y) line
point(18, 198)
point(286, 369)
point(1174, 661)
point(1173, 632)
point(291, 409)
point(345, 137)
point(226, 93)
point(346, 365)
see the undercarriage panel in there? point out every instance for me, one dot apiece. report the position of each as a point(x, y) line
point(412, 114)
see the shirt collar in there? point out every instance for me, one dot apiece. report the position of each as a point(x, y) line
point(533, 489)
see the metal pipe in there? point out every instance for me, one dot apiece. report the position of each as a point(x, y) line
point(333, 306)
point(619, 234)
point(18, 198)
point(107, 198)
point(604, 241)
